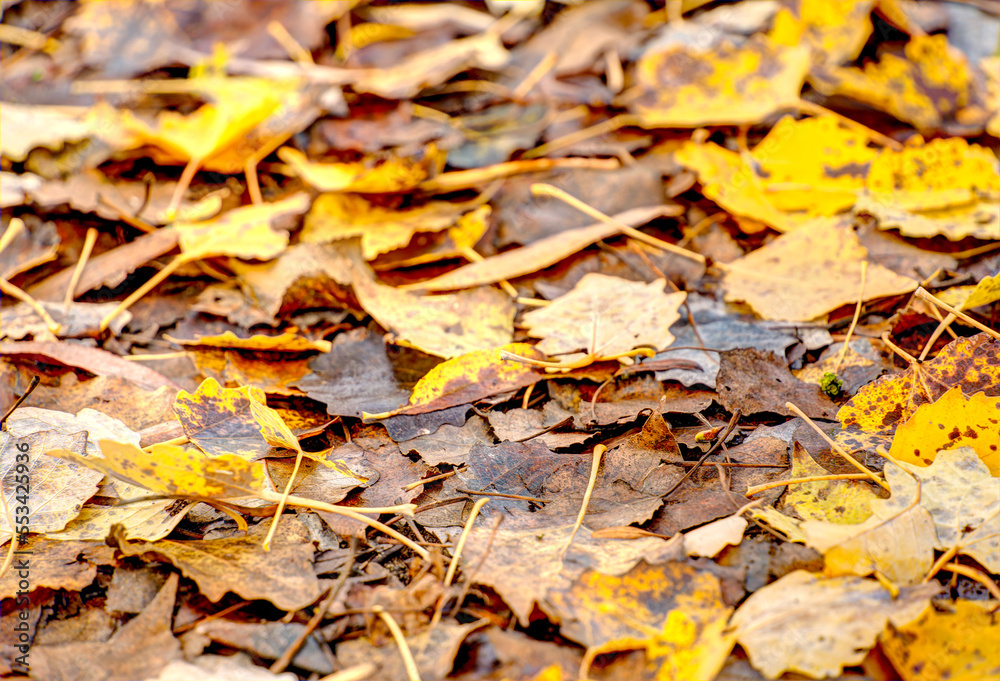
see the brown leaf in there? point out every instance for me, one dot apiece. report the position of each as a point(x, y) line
point(98, 362)
point(755, 382)
point(283, 575)
point(139, 649)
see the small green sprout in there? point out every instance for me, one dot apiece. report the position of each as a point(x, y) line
point(831, 385)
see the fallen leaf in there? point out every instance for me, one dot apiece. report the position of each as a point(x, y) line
point(709, 540)
point(242, 232)
point(450, 444)
point(446, 325)
point(816, 626)
point(598, 317)
point(27, 127)
point(341, 216)
point(282, 575)
point(524, 565)
point(537, 255)
point(433, 650)
point(950, 422)
point(805, 274)
point(473, 376)
point(963, 498)
point(268, 640)
point(223, 421)
point(815, 165)
point(56, 565)
point(174, 471)
point(836, 501)
point(96, 361)
point(836, 31)
point(433, 66)
point(238, 106)
point(672, 611)
point(728, 179)
point(755, 382)
point(684, 86)
point(356, 375)
point(110, 268)
point(393, 175)
point(958, 643)
point(140, 648)
point(984, 292)
point(929, 85)
point(285, 342)
point(870, 418)
point(79, 321)
point(897, 542)
point(49, 492)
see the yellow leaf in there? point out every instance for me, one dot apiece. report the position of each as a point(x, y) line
point(837, 501)
point(223, 421)
point(446, 325)
point(872, 415)
point(473, 376)
point(672, 611)
point(898, 541)
point(928, 85)
point(684, 86)
point(813, 164)
point(242, 233)
point(174, 471)
point(967, 297)
point(939, 174)
point(962, 496)
point(392, 175)
point(239, 105)
point(979, 219)
point(285, 342)
point(836, 30)
point(961, 643)
point(952, 421)
point(341, 216)
point(731, 182)
point(808, 273)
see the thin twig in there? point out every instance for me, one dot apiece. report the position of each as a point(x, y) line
point(88, 247)
point(857, 315)
point(594, 466)
point(498, 494)
point(837, 448)
point(18, 293)
point(924, 295)
point(412, 674)
point(542, 189)
point(17, 403)
point(286, 657)
point(754, 489)
point(475, 570)
point(711, 450)
point(453, 567)
point(564, 422)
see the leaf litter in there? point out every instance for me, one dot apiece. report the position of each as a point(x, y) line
point(510, 340)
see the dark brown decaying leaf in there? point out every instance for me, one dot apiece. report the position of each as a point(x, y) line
point(754, 381)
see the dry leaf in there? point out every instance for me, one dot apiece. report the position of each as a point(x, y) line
point(672, 611)
point(816, 626)
point(606, 316)
point(805, 274)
